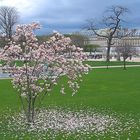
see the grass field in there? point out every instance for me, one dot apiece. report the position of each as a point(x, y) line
point(93, 63)
point(110, 91)
point(112, 63)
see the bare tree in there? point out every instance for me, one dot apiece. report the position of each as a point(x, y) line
point(126, 50)
point(8, 18)
point(127, 35)
point(112, 22)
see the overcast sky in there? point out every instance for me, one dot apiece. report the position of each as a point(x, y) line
point(69, 15)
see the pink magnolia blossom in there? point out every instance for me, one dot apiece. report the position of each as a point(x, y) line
point(42, 64)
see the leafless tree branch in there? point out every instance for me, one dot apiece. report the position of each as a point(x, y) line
point(8, 18)
point(112, 22)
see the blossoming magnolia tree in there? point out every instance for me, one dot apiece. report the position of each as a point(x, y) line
point(41, 65)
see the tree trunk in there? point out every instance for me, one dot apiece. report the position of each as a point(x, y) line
point(29, 118)
point(108, 52)
point(30, 104)
point(31, 111)
point(124, 63)
point(90, 51)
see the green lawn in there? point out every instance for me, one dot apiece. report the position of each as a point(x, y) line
point(112, 63)
point(92, 63)
point(112, 90)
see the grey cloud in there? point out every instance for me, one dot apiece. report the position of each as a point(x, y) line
point(70, 15)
